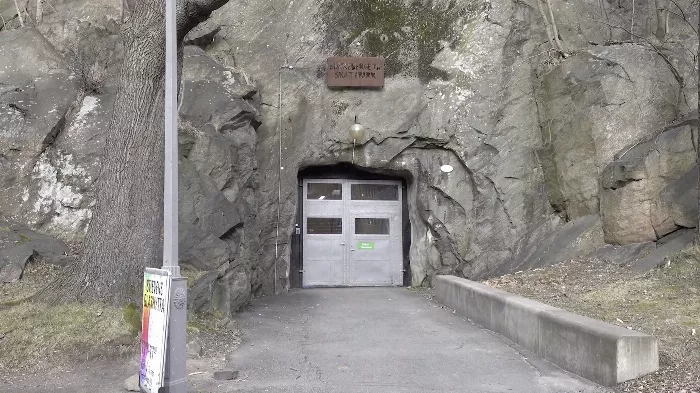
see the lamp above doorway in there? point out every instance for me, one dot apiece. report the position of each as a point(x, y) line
point(357, 133)
point(447, 168)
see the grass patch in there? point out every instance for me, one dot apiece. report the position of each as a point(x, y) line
point(36, 336)
point(192, 276)
point(217, 333)
point(664, 302)
point(207, 322)
point(132, 316)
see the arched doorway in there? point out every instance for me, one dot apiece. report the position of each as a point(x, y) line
point(352, 229)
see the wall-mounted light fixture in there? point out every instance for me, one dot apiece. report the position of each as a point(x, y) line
point(447, 168)
point(357, 133)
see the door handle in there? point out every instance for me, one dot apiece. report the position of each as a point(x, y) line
point(342, 244)
point(352, 249)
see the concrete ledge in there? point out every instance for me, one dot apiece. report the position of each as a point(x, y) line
point(596, 350)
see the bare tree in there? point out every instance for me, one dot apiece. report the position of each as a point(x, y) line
point(125, 232)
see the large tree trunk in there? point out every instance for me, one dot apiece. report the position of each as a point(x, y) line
point(125, 233)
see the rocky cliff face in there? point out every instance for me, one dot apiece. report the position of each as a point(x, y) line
point(475, 85)
point(554, 155)
point(651, 189)
point(444, 103)
point(51, 142)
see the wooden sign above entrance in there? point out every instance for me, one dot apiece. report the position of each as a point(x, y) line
point(355, 72)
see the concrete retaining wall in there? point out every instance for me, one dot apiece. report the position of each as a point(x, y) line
point(601, 352)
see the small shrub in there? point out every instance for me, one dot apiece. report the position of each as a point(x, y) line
point(132, 316)
point(88, 69)
point(40, 336)
point(93, 56)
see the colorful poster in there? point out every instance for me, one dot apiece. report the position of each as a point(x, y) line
point(154, 328)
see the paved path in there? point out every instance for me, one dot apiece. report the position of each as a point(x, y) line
point(380, 340)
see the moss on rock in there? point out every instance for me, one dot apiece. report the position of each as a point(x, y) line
point(132, 316)
point(40, 336)
point(408, 34)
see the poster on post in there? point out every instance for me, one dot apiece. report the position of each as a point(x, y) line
point(154, 328)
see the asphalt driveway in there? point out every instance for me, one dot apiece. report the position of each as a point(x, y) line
point(385, 340)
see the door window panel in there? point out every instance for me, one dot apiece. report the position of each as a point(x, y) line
point(371, 226)
point(374, 192)
point(324, 226)
point(325, 191)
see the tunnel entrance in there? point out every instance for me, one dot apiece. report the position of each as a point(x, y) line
point(352, 229)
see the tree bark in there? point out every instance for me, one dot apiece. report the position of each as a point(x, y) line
point(124, 235)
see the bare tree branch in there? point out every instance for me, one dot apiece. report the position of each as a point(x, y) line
point(19, 14)
point(661, 19)
point(555, 31)
point(550, 37)
point(50, 6)
point(552, 33)
point(674, 70)
point(632, 28)
point(682, 15)
point(190, 13)
point(39, 12)
point(604, 11)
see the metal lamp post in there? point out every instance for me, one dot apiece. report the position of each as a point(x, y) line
point(175, 380)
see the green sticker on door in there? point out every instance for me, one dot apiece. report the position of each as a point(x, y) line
point(366, 246)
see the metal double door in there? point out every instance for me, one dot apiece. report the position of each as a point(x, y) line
point(352, 233)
